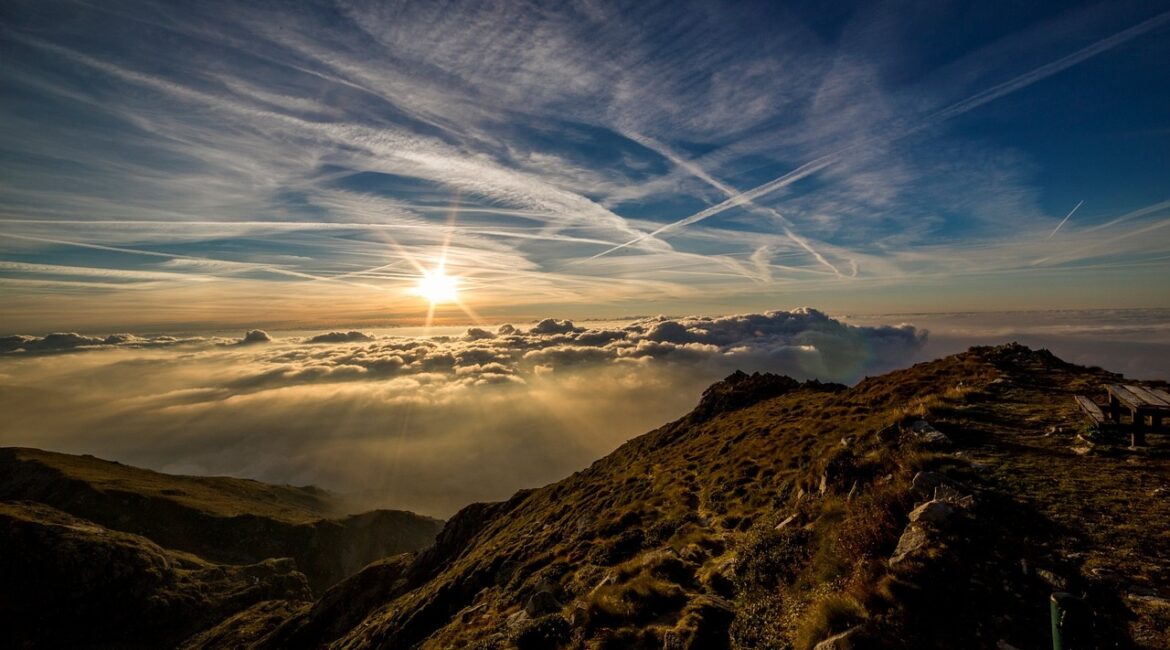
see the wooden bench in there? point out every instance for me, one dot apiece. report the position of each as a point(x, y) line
point(1141, 403)
point(1091, 410)
point(1161, 394)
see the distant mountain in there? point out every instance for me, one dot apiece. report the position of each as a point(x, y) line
point(221, 519)
point(937, 506)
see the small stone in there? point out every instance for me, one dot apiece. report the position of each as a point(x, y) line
point(782, 525)
point(579, 617)
point(935, 513)
point(926, 433)
point(1052, 580)
point(1149, 601)
point(1103, 574)
point(912, 540)
point(541, 603)
point(842, 641)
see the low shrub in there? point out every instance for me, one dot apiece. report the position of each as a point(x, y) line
point(544, 633)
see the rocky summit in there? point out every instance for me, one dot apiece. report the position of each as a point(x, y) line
point(938, 506)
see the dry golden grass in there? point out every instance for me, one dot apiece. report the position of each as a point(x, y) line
point(694, 510)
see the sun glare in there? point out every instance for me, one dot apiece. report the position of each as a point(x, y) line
point(438, 287)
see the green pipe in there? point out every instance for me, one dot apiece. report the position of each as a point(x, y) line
point(1068, 621)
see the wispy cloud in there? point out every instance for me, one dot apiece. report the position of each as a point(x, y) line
point(736, 199)
point(332, 145)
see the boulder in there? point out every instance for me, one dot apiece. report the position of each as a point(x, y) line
point(541, 603)
point(924, 432)
point(913, 540)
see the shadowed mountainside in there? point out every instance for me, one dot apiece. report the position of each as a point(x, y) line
point(68, 582)
point(221, 519)
point(788, 515)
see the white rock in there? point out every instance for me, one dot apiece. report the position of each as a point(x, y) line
point(932, 512)
point(912, 540)
point(842, 641)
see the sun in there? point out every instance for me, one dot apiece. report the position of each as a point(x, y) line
point(438, 287)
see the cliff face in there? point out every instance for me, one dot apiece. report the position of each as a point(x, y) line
point(937, 506)
point(220, 519)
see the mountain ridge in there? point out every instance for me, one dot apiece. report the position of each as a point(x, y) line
point(784, 517)
point(781, 514)
point(222, 519)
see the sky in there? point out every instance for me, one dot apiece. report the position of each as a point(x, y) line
point(178, 166)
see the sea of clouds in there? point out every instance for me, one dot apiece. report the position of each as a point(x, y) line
point(431, 423)
point(422, 423)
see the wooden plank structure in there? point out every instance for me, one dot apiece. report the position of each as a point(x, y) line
point(1091, 410)
point(1162, 394)
point(1141, 403)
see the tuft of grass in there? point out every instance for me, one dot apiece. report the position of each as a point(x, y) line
point(873, 523)
point(831, 615)
point(770, 558)
point(638, 600)
point(544, 633)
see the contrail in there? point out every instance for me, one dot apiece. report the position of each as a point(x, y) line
point(1065, 219)
point(175, 256)
point(954, 110)
point(736, 200)
point(731, 193)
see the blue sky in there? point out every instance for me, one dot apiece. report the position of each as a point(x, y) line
point(176, 164)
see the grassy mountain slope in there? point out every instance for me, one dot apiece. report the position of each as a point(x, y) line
point(221, 519)
point(781, 515)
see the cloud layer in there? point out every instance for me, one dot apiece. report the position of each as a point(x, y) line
point(432, 423)
point(422, 423)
